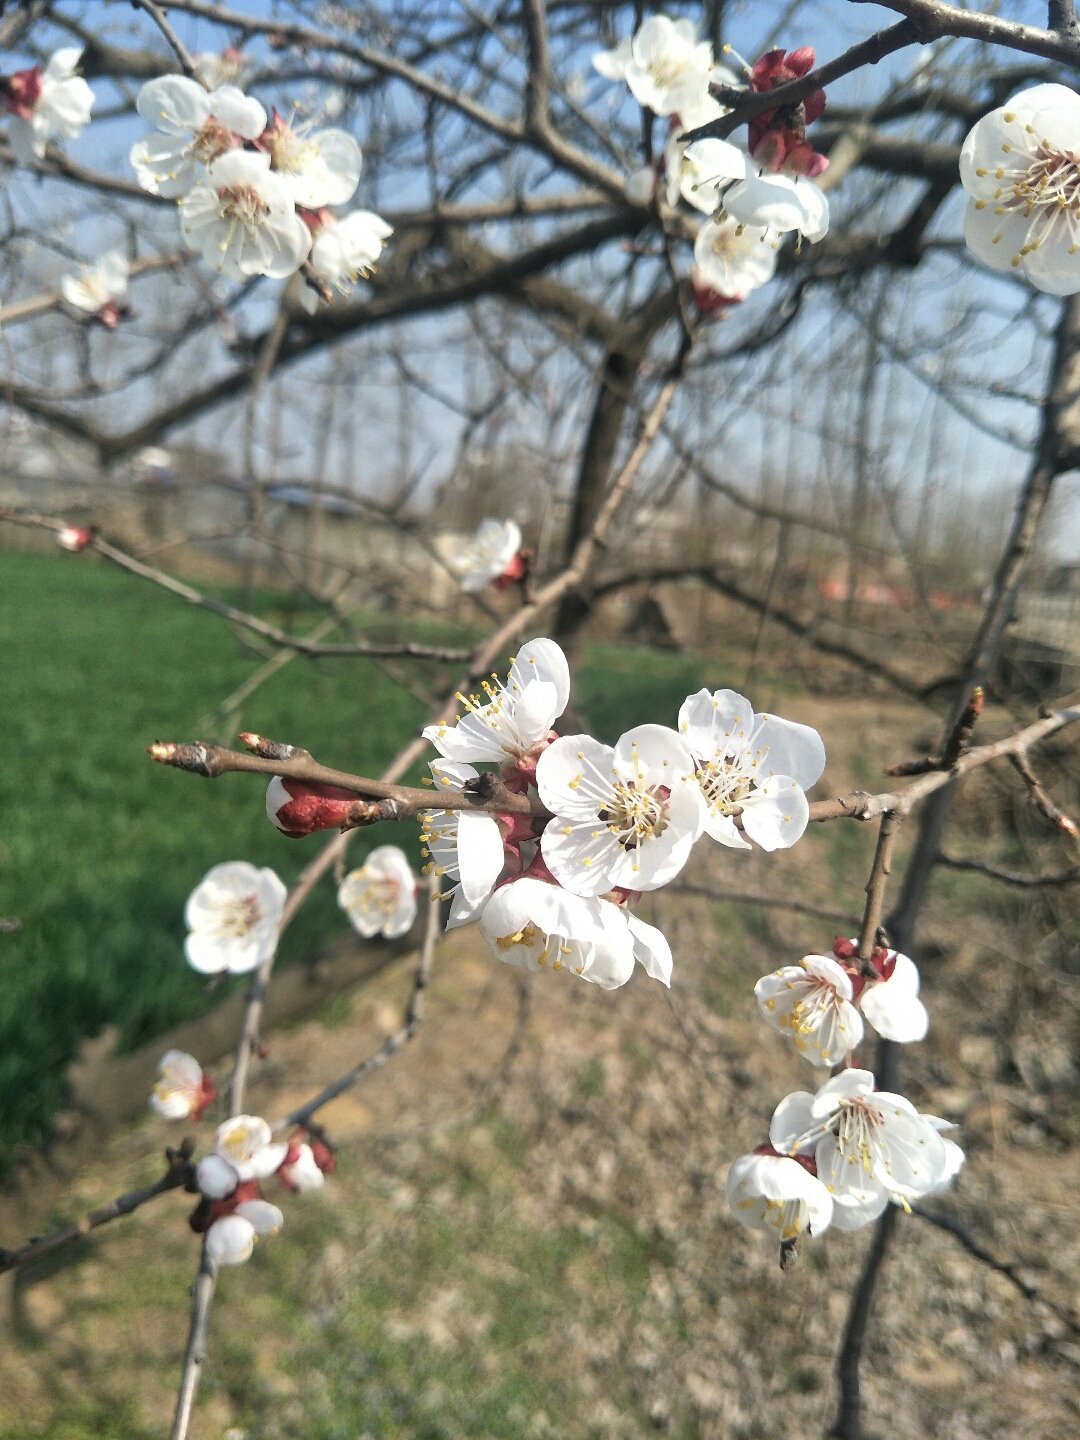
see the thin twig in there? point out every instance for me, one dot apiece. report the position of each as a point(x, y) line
point(179, 49)
point(179, 1173)
point(413, 1017)
point(1009, 877)
point(1040, 798)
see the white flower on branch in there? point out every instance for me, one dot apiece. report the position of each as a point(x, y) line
point(182, 1091)
point(99, 288)
point(233, 916)
point(1021, 166)
point(704, 170)
point(343, 251)
point(463, 848)
point(665, 65)
point(756, 765)
point(231, 1239)
point(300, 1171)
point(244, 1141)
point(320, 168)
point(731, 259)
point(216, 1177)
point(509, 722)
point(242, 219)
point(380, 897)
point(869, 1146)
point(779, 203)
point(489, 556)
point(814, 1003)
point(539, 926)
point(624, 816)
point(196, 128)
point(779, 1194)
point(214, 68)
point(49, 104)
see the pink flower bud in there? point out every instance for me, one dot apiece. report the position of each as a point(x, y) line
point(300, 807)
point(75, 537)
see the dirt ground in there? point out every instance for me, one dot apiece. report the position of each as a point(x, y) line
point(527, 1233)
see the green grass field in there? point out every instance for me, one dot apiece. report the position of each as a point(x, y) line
point(100, 848)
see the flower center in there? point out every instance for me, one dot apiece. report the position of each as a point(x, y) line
point(241, 205)
point(379, 898)
point(545, 947)
point(288, 151)
point(785, 1217)
point(635, 814)
point(238, 917)
point(723, 785)
point(210, 141)
point(858, 1132)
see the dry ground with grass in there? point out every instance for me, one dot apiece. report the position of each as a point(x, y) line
point(526, 1235)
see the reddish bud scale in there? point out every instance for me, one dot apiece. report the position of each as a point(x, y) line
point(75, 538)
point(206, 1096)
point(518, 775)
point(806, 1161)
point(21, 92)
point(516, 571)
point(207, 1211)
point(711, 302)
point(777, 138)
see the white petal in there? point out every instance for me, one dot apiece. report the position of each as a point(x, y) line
point(776, 813)
point(174, 104)
point(230, 1240)
point(651, 949)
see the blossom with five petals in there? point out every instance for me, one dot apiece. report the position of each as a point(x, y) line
point(778, 1193)
point(624, 816)
point(196, 128)
point(1021, 167)
point(345, 250)
point(99, 288)
point(758, 765)
point(45, 105)
point(510, 722)
point(488, 555)
point(243, 219)
point(317, 168)
point(233, 916)
point(668, 67)
point(536, 926)
point(869, 1146)
point(182, 1091)
point(731, 259)
point(380, 896)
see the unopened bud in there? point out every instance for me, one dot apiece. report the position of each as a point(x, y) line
point(301, 807)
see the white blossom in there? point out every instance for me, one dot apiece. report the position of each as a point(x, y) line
point(464, 848)
point(778, 1194)
point(380, 897)
point(624, 816)
point(536, 926)
point(486, 556)
point(215, 68)
point(704, 169)
point(320, 168)
point(216, 1177)
point(233, 916)
point(1021, 167)
point(779, 203)
point(344, 252)
point(668, 67)
point(733, 259)
point(869, 1146)
point(181, 1090)
point(758, 765)
point(196, 128)
point(97, 285)
point(892, 1004)
point(243, 219)
point(301, 1172)
point(509, 721)
point(812, 1005)
point(231, 1239)
point(52, 104)
point(244, 1141)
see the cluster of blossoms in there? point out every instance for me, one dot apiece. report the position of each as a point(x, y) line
point(255, 191)
point(753, 196)
point(45, 103)
point(556, 888)
point(841, 1155)
point(231, 1211)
